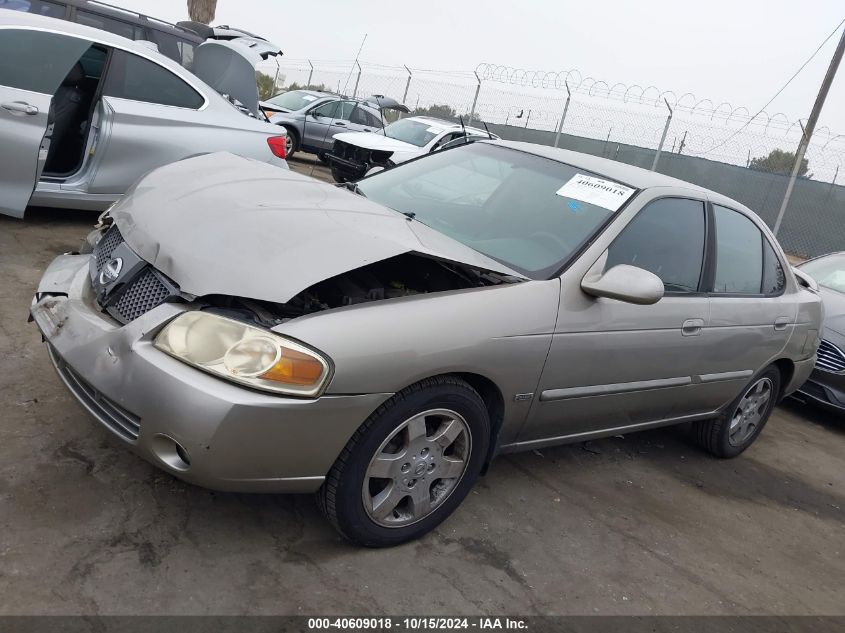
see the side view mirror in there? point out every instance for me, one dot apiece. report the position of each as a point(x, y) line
point(625, 283)
point(805, 280)
point(315, 114)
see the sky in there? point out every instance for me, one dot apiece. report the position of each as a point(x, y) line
point(739, 51)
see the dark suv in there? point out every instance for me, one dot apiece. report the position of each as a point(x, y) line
point(174, 41)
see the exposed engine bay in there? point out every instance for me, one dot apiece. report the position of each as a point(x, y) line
point(400, 276)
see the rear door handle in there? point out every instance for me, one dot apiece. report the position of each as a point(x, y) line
point(692, 327)
point(19, 107)
point(781, 323)
point(340, 123)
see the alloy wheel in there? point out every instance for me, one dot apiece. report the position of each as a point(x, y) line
point(750, 411)
point(416, 468)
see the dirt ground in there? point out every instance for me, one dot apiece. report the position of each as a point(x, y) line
point(645, 524)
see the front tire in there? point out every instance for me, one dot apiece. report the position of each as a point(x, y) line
point(729, 434)
point(409, 465)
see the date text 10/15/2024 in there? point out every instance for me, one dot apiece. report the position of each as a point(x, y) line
point(417, 624)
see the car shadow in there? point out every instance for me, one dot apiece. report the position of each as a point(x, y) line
point(53, 215)
point(829, 419)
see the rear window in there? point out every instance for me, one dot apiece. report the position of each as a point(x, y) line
point(133, 77)
point(176, 48)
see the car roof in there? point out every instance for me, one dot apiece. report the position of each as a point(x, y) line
point(614, 170)
point(142, 48)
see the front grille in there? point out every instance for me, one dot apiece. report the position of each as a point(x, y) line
point(138, 287)
point(830, 358)
point(142, 294)
point(105, 247)
point(117, 419)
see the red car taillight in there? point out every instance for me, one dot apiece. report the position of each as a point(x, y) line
point(278, 145)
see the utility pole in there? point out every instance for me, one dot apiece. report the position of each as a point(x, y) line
point(811, 124)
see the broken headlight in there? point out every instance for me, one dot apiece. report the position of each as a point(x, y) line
point(244, 354)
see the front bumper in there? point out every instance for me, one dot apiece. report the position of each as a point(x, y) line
point(348, 168)
point(228, 437)
point(824, 388)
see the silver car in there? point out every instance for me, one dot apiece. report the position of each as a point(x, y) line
point(248, 328)
point(311, 118)
point(85, 113)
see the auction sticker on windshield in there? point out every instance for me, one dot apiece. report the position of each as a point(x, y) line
point(602, 193)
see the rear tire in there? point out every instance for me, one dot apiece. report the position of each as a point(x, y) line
point(729, 434)
point(292, 143)
point(409, 465)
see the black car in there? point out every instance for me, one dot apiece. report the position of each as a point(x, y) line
point(826, 385)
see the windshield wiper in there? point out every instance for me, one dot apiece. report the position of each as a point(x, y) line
point(353, 187)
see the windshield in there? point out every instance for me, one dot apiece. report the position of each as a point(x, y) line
point(828, 271)
point(417, 133)
point(530, 213)
point(293, 100)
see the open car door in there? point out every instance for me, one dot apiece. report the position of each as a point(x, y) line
point(228, 66)
point(33, 64)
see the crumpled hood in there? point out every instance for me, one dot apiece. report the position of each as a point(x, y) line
point(222, 224)
point(379, 142)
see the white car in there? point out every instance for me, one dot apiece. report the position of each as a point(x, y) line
point(356, 153)
point(84, 113)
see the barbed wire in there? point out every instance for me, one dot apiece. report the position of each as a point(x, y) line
point(613, 113)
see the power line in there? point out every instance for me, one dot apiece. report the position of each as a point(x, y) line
point(776, 95)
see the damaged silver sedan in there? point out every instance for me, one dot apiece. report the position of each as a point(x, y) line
point(247, 328)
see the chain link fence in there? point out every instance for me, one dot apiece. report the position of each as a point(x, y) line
point(718, 146)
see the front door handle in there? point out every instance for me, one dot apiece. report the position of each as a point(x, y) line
point(340, 123)
point(692, 327)
point(781, 323)
point(19, 107)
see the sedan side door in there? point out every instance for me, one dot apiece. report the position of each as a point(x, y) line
point(752, 317)
point(152, 118)
point(317, 124)
point(613, 364)
point(340, 123)
point(32, 66)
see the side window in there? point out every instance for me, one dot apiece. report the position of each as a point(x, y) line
point(374, 120)
point(36, 60)
point(344, 110)
point(774, 279)
point(133, 77)
point(358, 116)
point(326, 110)
point(745, 261)
point(39, 7)
point(666, 238)
point(179, 50)
point(118, 27)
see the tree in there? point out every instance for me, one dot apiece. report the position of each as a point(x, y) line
point(266, 85)
point(317, 87)
point(442, 111)
point(780, 162)
point(202, 10)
